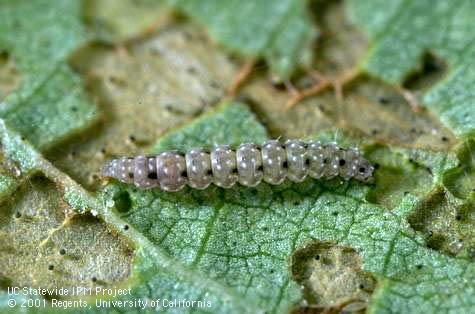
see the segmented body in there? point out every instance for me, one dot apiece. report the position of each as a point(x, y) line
point(249, 165)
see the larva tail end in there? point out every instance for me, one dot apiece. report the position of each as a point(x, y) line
point(108, 170)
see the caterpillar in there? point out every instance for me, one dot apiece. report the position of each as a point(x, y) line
point(249, 165)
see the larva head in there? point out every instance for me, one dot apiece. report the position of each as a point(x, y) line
point(364, 171)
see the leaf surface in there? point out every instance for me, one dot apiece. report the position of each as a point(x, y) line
point(49, 104)
point(281, 31)
point(402, 32)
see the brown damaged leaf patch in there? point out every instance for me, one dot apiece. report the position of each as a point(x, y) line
point(122, 20)
point(441, 218)
point(143, 89)
point(379, 111)
point(331, 278)
point(46, 245)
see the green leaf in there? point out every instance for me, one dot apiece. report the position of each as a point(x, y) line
point(50, 104)
point(281, 31)
point(402, 31)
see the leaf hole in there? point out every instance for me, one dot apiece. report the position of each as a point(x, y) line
point(314, 267)
point(431, 70)
point(122, 201)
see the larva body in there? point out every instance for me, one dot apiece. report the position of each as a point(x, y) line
point(249, 165)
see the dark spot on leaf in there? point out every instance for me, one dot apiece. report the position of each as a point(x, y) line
point(335, 213)
point(17, 215)
point(317, 257)
point(285, 164)
point(118, 81)
point(132, 138)
point(419, 266)
point(93, 279)
point(214, 84)
point(62, 251)
point(361, 286)
point(458, 217)
point(383, 100)
point(342, 162)
point(126, 227)
point(444, 138)
point(50, 267)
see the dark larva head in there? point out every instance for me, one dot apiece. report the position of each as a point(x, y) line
point(364, 170)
